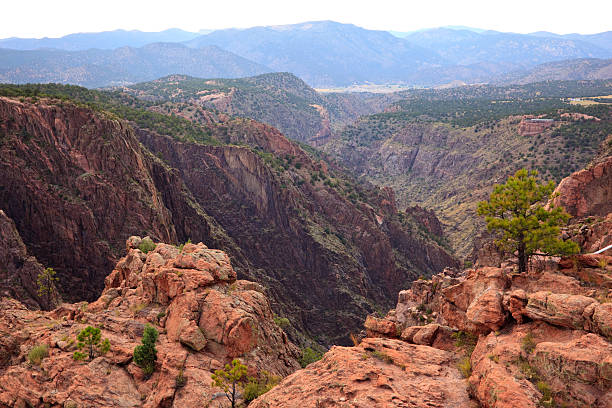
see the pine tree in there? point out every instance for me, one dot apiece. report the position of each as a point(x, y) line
point(145, 354)
point(229, 378)
point(517, 211)
point(91, 338)
point(46, 284)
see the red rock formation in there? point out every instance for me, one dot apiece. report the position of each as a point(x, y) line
point(204, 315)
point(378, 373)
point(587, 192)
point(538, 331)
point(530, 126)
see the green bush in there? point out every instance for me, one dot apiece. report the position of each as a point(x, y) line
point(282, 322)
point(259, 386)
point(309, 356)
point(145, 354)
point(36, 355)
point(544, 388)
point(146, 245)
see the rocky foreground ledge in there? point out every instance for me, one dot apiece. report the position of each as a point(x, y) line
point(484, 337)
point(205, 318)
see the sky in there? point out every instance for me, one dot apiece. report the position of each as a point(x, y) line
point(40, 18)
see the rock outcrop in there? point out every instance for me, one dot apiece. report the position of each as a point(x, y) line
point(205, 318)
point(587, 192)
point(531, 126)
point(377, 373)
point(538, 337)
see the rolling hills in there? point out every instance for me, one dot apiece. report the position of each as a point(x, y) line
point(281, 100)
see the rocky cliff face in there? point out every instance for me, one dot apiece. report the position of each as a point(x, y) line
point(587, 196)
point(205, 317)
point(587, 192)
point(344, 247)
point(78, 183)
point(18, 270)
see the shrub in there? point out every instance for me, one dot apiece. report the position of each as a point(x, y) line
point(527, 343)
point(145, 354)
point(282, 322)
point(180, 380)
point(465, 340)
point(37, 353)
point(259, 386)
point(546, 399)
point(465, 367)
point(146, 245)
point(309, 356)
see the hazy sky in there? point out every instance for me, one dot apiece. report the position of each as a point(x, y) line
point(54, 18)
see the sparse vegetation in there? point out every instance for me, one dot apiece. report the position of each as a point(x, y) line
point(528, 343)
point(146, 245)
point(465, 341)
point(181, 246)
point(546, 400)
point(282, 322)
point(259, 386)
point(180, 380)
point(465, 367)
point(37, 354)
point(382, 356)
point(309, 356)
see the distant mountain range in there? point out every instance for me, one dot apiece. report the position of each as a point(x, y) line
point(465, 47)
point(585, 68)
point(324, 54)
point(327, 53)
point(126, 65)
point(106, 40)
